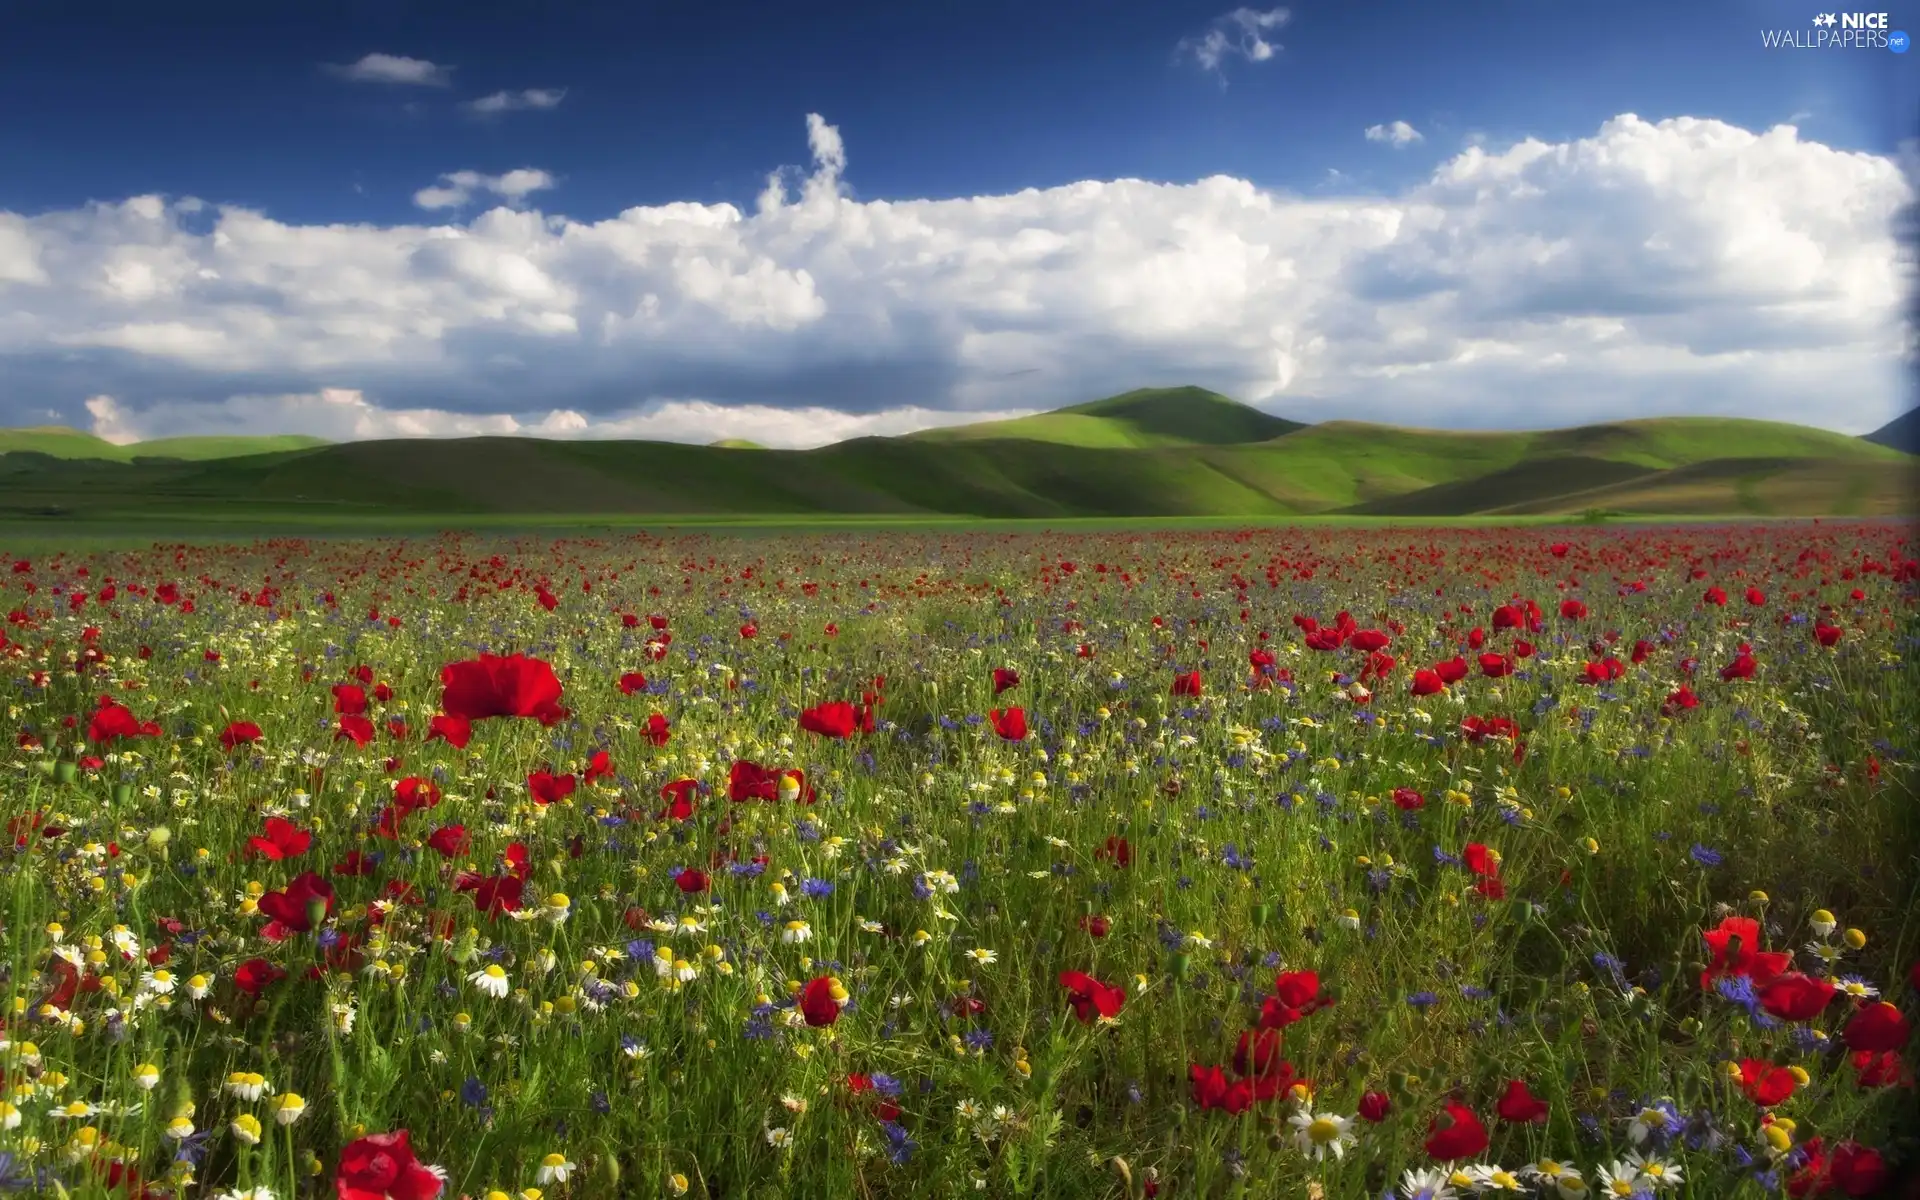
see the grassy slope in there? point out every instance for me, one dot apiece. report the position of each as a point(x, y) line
point(1144, 418)
point(60, 442)
point(1681, 466)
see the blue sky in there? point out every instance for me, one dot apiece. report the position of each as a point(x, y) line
point(400, 119)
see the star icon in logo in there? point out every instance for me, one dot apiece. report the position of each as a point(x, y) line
point(1826, 19)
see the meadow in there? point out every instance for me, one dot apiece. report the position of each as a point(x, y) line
point(1328, 861)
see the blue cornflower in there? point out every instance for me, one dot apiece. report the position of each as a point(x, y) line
point(1705, 856)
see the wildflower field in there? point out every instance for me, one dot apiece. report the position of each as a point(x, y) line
point(1314, 862)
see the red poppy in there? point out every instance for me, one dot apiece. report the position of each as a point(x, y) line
point(382, 1166)
point(355, 729)
point(281, 840)
point(600, 766)
point(1375, 1107)
point(1716, 596)
point(302, 906)
point(1877, 1027)
point(1572, 610)
point(349, 699)
point(414, 793)
point(1115, 850)
point(1765, 1084)
point(1187, 684)
point(454, 731)
point(237, 734)
point(1520, 1106)
point(1742, 667)
point(1409, 799)
point(1369, 640)
point(1878, 1069)
point(1257, 1055)
point(1827, 635)
point(1010, 723)
point(1796, 997)
point(112, 721)
point(1857, 1170)
point(1004, 678)
point(1456, 1133)
point(491, 686)
point(659, 730)
point(834, 719)
point(817, 1004)
point(691, 881)
point(548, 788)
point(256, 975)
point(1096, 925)
point(1091, 998)
point(451, 841)
point(1495, 666)
point(631, 682)
point(679, 797)
point(1212, 1091)
point(1679, 701)
point(1451, 671)
point(1427, 683)
point(1734, 944)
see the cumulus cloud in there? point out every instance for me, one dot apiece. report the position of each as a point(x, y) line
point(1678, 266)
point(1398, 134)
point(528, 98)
point(1238, 34)
point(395, 68)
point(342, 414)
point(460, 188)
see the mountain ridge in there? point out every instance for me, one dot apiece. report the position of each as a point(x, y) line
point(1146, 453)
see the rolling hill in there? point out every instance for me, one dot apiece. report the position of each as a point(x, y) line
point(1140, 419)
point(1901, 433)
point(58, 441)
point(1151, 453)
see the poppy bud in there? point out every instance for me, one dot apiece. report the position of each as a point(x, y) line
point(608, 1169)
point(1260, 915)
point(316, 911)
point(122, 792)
point(64, 772)
point(1180, 964)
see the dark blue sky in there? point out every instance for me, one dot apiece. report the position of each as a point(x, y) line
point(230, 102)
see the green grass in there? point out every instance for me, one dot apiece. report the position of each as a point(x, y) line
point(1263, 819)
point(60, 442)
point(1152, 453)
point(1140, 419)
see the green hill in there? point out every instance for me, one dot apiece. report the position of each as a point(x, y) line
point(1175, 452)
point(58, 441)
point(1146, 417)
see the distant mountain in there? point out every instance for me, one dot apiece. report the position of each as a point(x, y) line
point(1901, 433)
point(1140, 419)
point(1160, 452)
point(58, 441)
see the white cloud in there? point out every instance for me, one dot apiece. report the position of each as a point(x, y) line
point(460, 188)
point(341, 414)
point(396, 68)
point(1399, 134)
point(1652, 268)
point(501, 102)
point(1240, 33)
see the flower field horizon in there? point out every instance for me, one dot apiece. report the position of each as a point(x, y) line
point(1330, 862)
